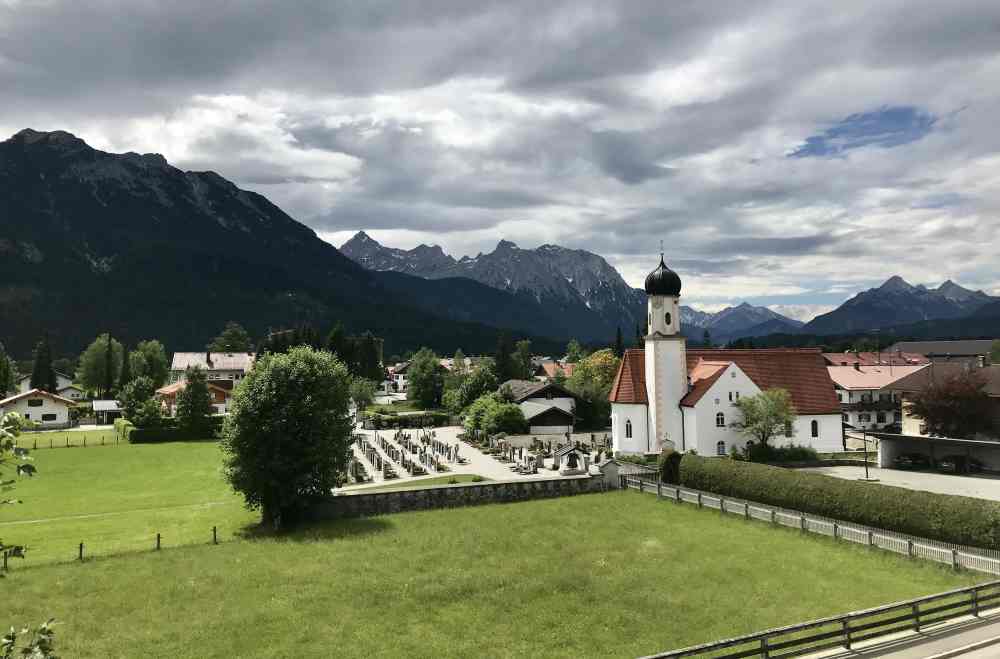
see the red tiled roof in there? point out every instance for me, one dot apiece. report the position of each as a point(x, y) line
point(703, 376)
point(885, 358)
point(629, 385)
point(552, 369)
point(800, 371)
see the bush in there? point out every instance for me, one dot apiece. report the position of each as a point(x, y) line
point(954, 519)
point(793, 453)
point(385, 421)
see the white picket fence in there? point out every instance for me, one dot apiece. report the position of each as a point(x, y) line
point(958, 556)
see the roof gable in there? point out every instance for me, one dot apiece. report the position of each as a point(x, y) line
point(38, 392)
point(629, 385)
point(703, 379)
point(525, 389)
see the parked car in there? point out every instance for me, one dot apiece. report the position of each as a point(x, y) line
point(911, 461)
point(959, 464)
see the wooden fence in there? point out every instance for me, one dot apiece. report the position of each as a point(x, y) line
point(958, 556)
point(846, 631)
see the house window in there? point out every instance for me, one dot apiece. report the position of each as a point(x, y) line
point(880, 417)
point(845, 418)
point(720, 448)
point(884, 398)
point(27, 416)
point(36, 402)
point(814, 428)
point(732, 374)
point(49, 417)
point(720, 420)
point(628, 429)
point(716, 401)
point(864, 418)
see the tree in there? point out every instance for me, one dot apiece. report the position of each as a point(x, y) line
point(234, 338)
point(149, 359)
point(8, 373)
point(957, 407)
point(574, 352)
point(426, 379)
point(619, 343)
point(362, 393)
point(504, 358)
point(591, 382)
point(521, 360)
point(368, 360)
point(133, 397)
point(458, 367)
point(639, 339)
point(194, 403)
point(481, 381)
point(288, 436)
point(108, 376)
point(706, 338)
point(764, 415)
point(43, 376)
point(126, 373)
point(336, 341)
point(91, 373)
point(491, 414)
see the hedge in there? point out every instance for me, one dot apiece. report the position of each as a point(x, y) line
point(166, 432)
point(948, 518)
point(377, 421)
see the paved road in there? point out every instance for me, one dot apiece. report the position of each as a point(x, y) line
point(969, 639)
point(982, 487)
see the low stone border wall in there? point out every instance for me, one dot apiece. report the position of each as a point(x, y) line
point(823, 463)
point(360, 504)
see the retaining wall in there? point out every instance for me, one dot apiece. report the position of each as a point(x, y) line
point(360, 504)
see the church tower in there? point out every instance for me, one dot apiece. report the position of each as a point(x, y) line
point(666, 361)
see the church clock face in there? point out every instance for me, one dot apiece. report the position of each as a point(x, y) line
point(657, 303)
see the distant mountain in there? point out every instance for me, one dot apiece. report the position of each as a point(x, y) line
point(896, 302)
point(93, 241)
point(585, 290)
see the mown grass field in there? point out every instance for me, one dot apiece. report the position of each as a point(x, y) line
point(604, 575)
point(116, 499)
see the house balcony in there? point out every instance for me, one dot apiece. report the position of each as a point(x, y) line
point(872, 406)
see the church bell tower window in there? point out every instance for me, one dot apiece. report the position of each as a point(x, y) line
point(666, 318)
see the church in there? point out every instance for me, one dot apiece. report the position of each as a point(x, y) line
point(665, 395)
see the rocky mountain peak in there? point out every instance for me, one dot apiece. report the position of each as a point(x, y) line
point(897, 284)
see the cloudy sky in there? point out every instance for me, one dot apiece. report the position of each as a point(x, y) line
point(788, 153)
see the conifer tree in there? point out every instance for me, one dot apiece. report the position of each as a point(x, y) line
point(126, 373)
point(619, 343)
point(43, 375)
point(108, 381)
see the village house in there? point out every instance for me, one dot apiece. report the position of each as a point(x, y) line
point(973, 351)
point(46, 410)
point(224, 366)
point(665, 395)
point(62, 381)
point(548, 408)
point(875, 358)
point(548, 371)
point(73, 392)
point(867, 395)
point(221, 392)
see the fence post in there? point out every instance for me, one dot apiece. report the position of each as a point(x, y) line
point(774, 516)
point(975, 602)
point(954, 559)
point(659, 491)
point(802, 521)
point(5, 561)
point(215, 535)
point(916, 617)
point(36, 442)
point(764, 652)
point(699, 499)
point(677, 494)
point(871, 539)
point(157, 542)
point(847, 632)
point(85, 441)
point(909, 548)
point(746, 510)
point(80, 552)
point(835, 529)
point(722, 505)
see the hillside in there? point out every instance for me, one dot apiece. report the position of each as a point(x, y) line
point(94, 241)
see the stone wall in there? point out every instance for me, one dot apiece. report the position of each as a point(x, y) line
point(360, 504)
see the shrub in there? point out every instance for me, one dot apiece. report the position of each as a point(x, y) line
point(948, 518)
point(477, 479)
point(793, 453)
point(385, 421)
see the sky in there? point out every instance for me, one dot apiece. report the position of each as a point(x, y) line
point(787, 153)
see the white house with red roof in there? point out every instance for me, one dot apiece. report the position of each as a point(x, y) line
point(667, 395)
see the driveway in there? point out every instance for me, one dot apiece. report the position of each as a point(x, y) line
point(982, 487)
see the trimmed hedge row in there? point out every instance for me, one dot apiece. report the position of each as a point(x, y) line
point(948, 518)
point(166, 432)
point(376, 421)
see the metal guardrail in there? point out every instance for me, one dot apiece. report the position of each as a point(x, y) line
point(850, 629)
point(958, 556)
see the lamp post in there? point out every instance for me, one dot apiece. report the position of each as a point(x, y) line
point(864, 438)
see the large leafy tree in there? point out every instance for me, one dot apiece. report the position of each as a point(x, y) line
point(591, 382)
point(194, 403)
point(149, 359)
point(138, 404)
point(957, 407)
point(94, 363)
point(764, 415)
point(574, 352)
point(126, 373)
point(43, 375)
point(233, 338)
point(289, 434)
point(492, 414)
point(504, 358)
point(362, 393)
point(336, 342)
point(8, 373)
point(481, 381)
point(426, 379)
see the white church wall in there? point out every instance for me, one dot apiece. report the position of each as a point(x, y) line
point(666, 384)
point(830, 437)
point(721, 398)
point(621, 414)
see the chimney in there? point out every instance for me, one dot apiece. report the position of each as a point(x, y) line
point(208, 358)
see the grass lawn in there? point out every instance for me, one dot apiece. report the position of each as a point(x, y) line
point(618, 574)
point(116, 499)
point(426, 482)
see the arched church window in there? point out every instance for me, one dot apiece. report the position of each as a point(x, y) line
point(720, 420)
point(628, 429)
point(815, 428)
point(666, 319)
point(720, 448)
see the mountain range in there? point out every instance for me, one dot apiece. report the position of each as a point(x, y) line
point(588, 293)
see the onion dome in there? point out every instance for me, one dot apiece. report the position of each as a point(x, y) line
point(663, 281)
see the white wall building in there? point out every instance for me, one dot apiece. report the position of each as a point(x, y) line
point(230, 366)
point(62, 381)
point(40, 407)
point(667, 395)
point(868, 398)
point(548, 408)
